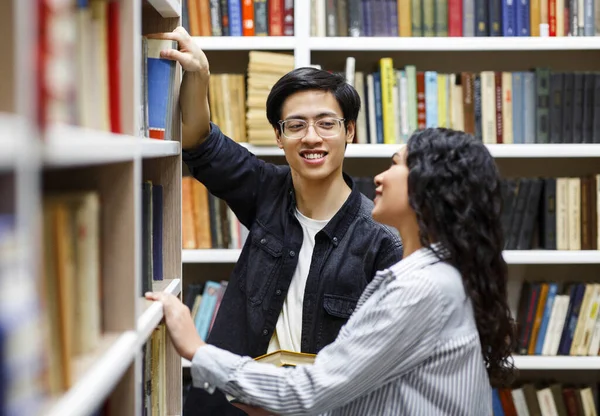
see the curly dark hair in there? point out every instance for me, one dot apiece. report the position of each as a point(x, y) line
point(454, 187)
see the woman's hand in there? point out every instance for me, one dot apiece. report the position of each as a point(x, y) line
point(189, 55)
point(179, 324)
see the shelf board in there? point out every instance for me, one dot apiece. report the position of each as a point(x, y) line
point(510, 256)
point(159, 148)
point(153, 311)
point(167, 8)
point(538, 362)
point(245, 43)
point(474, 44)
point(13, 134)
point(500, 151)
point(185, 363)
point(96, 375)
point(67, 145)
point(210, 256)
point(552, 257)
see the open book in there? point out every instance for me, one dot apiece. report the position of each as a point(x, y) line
point(282, 358)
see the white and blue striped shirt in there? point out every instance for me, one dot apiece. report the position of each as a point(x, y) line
point(410, 348)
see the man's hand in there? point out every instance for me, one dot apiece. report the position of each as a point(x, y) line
point(189, 55)
point(179, 323)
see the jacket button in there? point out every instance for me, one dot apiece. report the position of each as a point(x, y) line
point(265, 332)
point(335, 241)
point(263, 241)
point(278, 292)
point(292, 253)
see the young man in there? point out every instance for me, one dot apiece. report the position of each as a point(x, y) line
point(312, 246)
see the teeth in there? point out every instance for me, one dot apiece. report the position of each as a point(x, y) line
point(313, 155)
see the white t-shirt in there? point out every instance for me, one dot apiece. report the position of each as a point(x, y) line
point(288, 330)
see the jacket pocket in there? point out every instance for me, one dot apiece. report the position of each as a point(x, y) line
point(339, 306)
point(263, 263)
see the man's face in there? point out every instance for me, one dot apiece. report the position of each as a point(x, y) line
point(309, 115)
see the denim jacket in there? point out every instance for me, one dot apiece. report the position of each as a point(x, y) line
point(346, 256)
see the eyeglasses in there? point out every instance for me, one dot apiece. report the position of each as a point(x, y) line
point(297, 129)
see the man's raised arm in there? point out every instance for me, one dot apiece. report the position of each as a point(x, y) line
point(193, 96)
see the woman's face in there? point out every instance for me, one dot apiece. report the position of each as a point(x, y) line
point(391, 201)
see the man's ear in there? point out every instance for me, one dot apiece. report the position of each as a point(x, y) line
point(278, 138)
point(350, 131)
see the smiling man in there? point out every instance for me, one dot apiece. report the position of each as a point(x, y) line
point(312, 246)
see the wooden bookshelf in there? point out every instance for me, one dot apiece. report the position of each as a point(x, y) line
point(62, 157)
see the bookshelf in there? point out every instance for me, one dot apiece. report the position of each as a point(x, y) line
point(446, 55)
point(66, 157)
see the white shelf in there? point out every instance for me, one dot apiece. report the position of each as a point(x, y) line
point(536, 362)
point(500, 151)
point(210, 256)
point(98, 382)
point(13, 134)
point(67, 145)
point(159, 148)
point(474, 44)
point(510, 256)
point(167, 8)
point(153, 311)
point(552, 257)
point(245, 43)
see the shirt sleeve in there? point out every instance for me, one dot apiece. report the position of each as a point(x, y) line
point(388, 336)
point(230, 172)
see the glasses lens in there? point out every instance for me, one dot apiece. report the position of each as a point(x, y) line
point(328, 127)
point(294, 129)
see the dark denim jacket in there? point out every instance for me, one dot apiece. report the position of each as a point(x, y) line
point(346, 256)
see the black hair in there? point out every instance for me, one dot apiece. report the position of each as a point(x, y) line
point(454, 187)
point(308, 78)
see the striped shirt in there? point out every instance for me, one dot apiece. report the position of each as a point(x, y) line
point(410, 348)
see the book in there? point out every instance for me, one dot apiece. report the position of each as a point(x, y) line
point(282, 358)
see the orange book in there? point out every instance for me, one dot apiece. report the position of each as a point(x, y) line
point(247, 17)
point(404, 22)
point(539, 314)
point(194, 16)
point(204, 18)
point(201, 215)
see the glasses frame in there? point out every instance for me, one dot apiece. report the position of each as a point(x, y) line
point(282, 122)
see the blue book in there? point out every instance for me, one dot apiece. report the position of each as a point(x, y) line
point(518, 108)
point(378, 106)
point(541, 337)
point(496, 403)
point(207, 308)
point(431, 99)
point(522, 19)
point(160, 79)
point(235, 18)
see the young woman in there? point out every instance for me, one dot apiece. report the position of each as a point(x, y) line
point(429, 333)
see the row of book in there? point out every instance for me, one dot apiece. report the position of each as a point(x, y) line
point(208, 222)
point(558, 319)
point(457, 18)
point(538, 106)
point(545, 399)
point(79, 71)
point(564, 211)
point(238, 17)
point(79, 82)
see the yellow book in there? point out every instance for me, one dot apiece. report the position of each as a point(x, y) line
point(443, 104)
point(282, 358)
point(388, 82)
